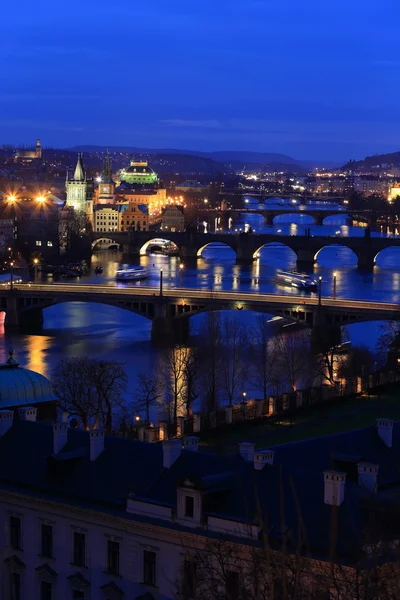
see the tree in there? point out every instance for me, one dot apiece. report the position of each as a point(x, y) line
point(172, 372)
point(90, 390)
point(148, 394)
point(293, 357)
point(326, 341)
point(233, 368)
point(211, 359)
point(191, 373)
point(262, 357)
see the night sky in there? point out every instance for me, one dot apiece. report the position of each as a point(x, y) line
point(312, 78)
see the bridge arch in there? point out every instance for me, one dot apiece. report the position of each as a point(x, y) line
point(217, 244)
point(104, 243)
point(336, 219)
point(341, 253)
point(388, 258)
point(293, 217)
point(142, 309)
point(159, 243)
point(279, 248)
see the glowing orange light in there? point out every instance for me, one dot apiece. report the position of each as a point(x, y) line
point(11, 198)
point(41, 199)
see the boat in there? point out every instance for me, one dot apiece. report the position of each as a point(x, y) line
point(98, 270)
point(301, 281)
point(135, 274)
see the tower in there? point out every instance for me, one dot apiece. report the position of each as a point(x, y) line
point(79, 189)
point(38, 149)
point(106, 192)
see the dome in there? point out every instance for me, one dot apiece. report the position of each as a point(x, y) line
point(139, 173)
point(22, 387)
point(139, 170)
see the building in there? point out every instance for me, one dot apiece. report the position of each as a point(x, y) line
point(139, 184)
point(22, 388)
point(370, 184)
point(172, 218)
point(79, 188)
point(192, 186)
point(394, 191)
point(105, 218)
point(28, 156)
point(94, 517)
point(133, 216)
point(106, 187)
point(139, 173)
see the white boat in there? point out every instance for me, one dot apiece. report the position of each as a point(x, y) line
point(301, 281)
point(134, 274)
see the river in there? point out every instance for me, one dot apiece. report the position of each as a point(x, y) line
point(79, 329)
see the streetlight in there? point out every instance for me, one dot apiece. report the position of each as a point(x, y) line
point(334, 285)
point(319, 291)
point(161, 281)
point(12, 275)
point(41, 199)
point(11, 198)
point(35, 262)
point(180, 275)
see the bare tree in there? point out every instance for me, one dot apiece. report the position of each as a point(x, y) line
point(192, 368)
point(148, 393)
point(90, 389)
point(172, 373)
point(211, 359)
point(233, 367)
point(262, 357)
point(294, 357)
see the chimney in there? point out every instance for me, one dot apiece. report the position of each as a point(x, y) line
point(334, 483)
point(27, 413)
point(60, 436)
point(96, 443)
point(262, 458)
point(368, 476)
point(246, 451)
point(385, 431)
point(171, 452)
point(6, 420)
point(191, 442)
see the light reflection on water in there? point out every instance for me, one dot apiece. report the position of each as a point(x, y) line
point(79, 329)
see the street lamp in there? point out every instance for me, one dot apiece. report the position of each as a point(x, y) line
point(36, 262)
point(161, 281)
point(11, 198)
point(319, 291)
point(41, 199)
point(180, 275)
point(12, 275)
point(334, 285)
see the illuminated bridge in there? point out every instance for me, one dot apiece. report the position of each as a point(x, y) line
point(169, 309)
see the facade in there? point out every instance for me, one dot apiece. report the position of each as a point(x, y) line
point(133, 216)
point(139, 173)
point(105, 218)
point(192, 186)
point(93, 517)
point(173, 218)
point(394, 191)
point(27, 156)
point(79, 189)
point(369, 184)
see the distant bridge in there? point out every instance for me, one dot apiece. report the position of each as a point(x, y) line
point(247, 246)
point(170, 308)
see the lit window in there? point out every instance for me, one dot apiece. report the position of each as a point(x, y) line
point(38, 243)
point(50, 244)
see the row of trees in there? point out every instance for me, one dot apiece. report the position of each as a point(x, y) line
point(228, 360)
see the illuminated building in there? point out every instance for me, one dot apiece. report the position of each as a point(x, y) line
point(106, 188)
point(133, 216)
point(139, 173)
point(394, 191)
point(140, 185)
point(79, 189)
point(105, 217)
point(172, 218)
point(27, 156)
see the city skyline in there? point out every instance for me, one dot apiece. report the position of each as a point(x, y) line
point(270, 78)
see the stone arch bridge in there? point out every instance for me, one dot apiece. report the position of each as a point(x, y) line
point(170, 310)
point(247, 245)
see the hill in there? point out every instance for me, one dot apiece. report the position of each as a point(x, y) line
point(376, 162)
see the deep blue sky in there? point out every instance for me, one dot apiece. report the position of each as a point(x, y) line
point(312, 78)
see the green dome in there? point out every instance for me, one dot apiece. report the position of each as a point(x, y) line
point(139, 172)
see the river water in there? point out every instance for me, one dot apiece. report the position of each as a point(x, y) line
point(79, 329)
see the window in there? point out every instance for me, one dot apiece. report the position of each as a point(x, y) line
point(149, 567)
point(47, 541)
point(46, 590)
point(15, 532)
point(79, 549)
point(15, 586)
point(77, 595)
point(50, 244)
point(113, 557)
point(38, 243)
point(189, 506)
point(232, 585)
point(189, 580)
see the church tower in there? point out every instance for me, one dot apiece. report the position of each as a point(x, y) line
point(79, 189)
point(106, 191)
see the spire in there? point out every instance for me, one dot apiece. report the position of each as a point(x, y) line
point(79, 174)
point(106, 174)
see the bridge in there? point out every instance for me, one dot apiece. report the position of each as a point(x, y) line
point(247, 246)
point(170, 309)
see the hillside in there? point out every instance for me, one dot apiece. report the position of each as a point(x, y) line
point(376, 162)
